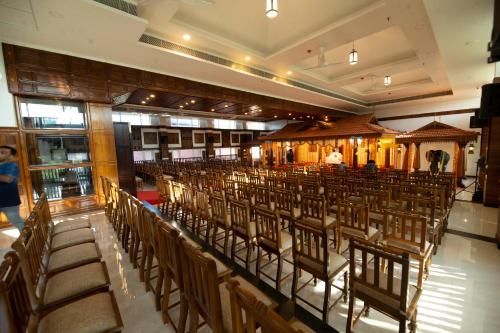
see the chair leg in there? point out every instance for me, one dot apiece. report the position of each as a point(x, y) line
point(412, 326)
point(167, 284)
point(159, 284)
point(226, 240)
point(247, 258)
point(402, 326)
point(193, 318)
point(214, 236)
point(147, 275)
point(326, 301)
point(349, 323)
point(233, 247)
point(278, 273)
point(294, 283)
point(259, 258)
point(183, 314)
point(143, 263)
point(346, 276)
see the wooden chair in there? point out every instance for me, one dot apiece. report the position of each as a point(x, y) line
point(176, 199)
point(221, 218)
point(407, 232)
point(352, 222)
point(262, 197)
point(386, 291)
point(135, 239)
point(188, 207)
point(204, 290)
point(203, 215)
point(272, 240)
point(313, 211)
point(97, 312)
point(244, 228)
point(248, 314)
point(312, 254)
point(286, 204)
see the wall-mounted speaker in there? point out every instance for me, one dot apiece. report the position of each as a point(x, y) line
point(490, 101)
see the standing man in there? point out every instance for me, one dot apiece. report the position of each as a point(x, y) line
point(9, 193)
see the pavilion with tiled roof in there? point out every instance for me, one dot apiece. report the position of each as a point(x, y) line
point(313, 140)
point(437, 132)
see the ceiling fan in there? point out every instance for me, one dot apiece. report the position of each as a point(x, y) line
point(322, 61)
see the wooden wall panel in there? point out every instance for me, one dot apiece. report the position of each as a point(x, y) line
point(492, 185)
point(125, 158)
point(48, 74)
point(103, 145)
point(10, 137)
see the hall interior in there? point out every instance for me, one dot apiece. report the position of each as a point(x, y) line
point(241, 166)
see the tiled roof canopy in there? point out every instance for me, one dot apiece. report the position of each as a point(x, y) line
point(437, 131)
point(363, 125)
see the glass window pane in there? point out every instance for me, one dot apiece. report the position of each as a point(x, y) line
point(57, 149)
point(62, 183)
point(41, 113)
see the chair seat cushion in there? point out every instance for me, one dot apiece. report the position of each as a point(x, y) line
point(91, 314)
point(70, 225)
point(286, 242)
point(71, 238)
point(381, 295)
point(287, 213)
point(407, 246)
point(75, 282)
point(329, 221)
point(226, 305)
point(72, 257)
point(360, 234)
point(336, 263)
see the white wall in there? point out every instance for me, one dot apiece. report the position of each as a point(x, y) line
point(7, 111)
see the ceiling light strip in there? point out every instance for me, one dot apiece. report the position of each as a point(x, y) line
point(122, 5)
point(155, 41)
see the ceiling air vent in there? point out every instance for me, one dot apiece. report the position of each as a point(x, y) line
point(122, 5)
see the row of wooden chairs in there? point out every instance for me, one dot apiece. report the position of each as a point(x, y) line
point(202, 281)
point(55, 281)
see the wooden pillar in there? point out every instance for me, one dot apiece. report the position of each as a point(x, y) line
point(406, 157)
point(492, 188)
point(461, 163)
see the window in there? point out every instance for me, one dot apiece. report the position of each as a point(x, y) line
point(61, 183)
point(184, 122)
point(57, 149)
point(224, 124)
point(51, 114)
point(255, 125)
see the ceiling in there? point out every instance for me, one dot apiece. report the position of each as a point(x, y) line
point(429, 48)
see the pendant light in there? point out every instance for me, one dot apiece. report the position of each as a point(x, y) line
point(387, 80)
point(271, 8)
point(353, 56)
point(471, 149)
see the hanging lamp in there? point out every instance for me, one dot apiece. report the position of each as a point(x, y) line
point(271, 8)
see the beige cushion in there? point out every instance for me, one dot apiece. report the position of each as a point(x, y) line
point(75, 282)
point(93, 314)
point(329, 221)
point(71, 238)
point(380, 295)
point(336, 263)
point(286, 213)
point(356, 233)
point(286, 242)
point(226, 304)
point(73, 256)
point(407, 245)
point(70, 225)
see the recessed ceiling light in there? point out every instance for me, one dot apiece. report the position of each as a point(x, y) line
point(212, 110)
point(193, 101)
point(300, 117)
point(275, 116)
point(147, 98)
point(143, 102)
point(186, 37)
point(289, 114)
point(308, 116)
point(152, 95)
point(225, 105)
point(181, 106)
point(289, 73)
point(293, 118)
point(248, 58)
point(246, 113)
point(387, 80)
point(271, 8)
point(186, 103)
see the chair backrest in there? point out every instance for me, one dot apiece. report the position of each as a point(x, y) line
point(313, 209)
point(245, 305)
point(168, 251)
point(177, 192)
point(262, 196)
point(407, 229)
point(285, 200)
point(370, 281)
point(310, 248)
point(377, 200)
point(353, 215)
point(244, 191)
point(201, 285)
point(219, 207)
point(240, 217)
point(310, 186)
point(187, 196)
point(268, 227)
point(202, 201)
point(15, 306)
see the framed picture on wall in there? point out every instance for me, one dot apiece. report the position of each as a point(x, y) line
point(198, 138)
point(173, 137)
point(149, 138)
point(215, 137)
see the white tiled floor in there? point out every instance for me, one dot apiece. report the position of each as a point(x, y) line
point(461, 294)
point(473, 218)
